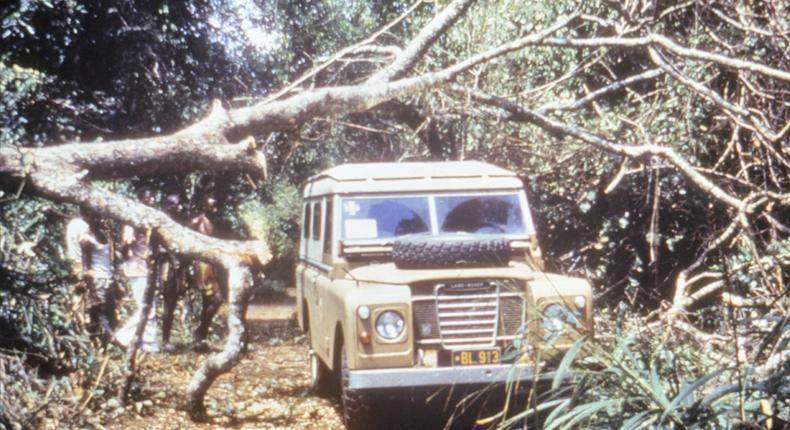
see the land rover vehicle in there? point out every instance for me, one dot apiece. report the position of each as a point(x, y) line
point(427, 275)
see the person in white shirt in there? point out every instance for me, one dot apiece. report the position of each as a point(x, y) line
point(90, 252)
point(136, 244)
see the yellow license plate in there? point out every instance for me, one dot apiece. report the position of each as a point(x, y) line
point(473, 357)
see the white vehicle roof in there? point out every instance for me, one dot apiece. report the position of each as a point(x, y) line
point(363, 178)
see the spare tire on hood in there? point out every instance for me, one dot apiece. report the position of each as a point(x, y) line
point(427, 252)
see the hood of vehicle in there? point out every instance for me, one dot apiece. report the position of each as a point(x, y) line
point(388, 273)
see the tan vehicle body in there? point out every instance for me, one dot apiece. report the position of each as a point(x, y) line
point(338, 275)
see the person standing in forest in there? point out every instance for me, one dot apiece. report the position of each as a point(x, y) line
point(171, 270)
point(136, 249)
point(90, 252)
point(211, 280)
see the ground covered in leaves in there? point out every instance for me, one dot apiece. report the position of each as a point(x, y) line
point(267, 390)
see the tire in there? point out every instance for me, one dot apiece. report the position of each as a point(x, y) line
point(322, 380)
point(450, 251)
point(357, 414)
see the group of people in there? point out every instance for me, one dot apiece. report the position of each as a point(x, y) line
point(145, 260)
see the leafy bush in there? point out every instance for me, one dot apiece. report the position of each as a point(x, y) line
point(642, 375)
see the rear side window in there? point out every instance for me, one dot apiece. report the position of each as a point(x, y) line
point(306, 224)
point(317, 221)
point(328, 228)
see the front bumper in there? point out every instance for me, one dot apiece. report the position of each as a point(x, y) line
point(369, 379)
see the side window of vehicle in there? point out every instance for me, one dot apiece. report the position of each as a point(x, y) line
point(306, 224)
point(328, 227)
point(317, 221)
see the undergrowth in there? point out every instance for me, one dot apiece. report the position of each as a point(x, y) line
point(655, 375)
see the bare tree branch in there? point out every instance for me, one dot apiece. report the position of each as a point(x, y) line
point(235, 256)
point(389, 50)
point(342, 53)
point(420, 44)
point(714, 97)
point(202, 146)
point(287, 114)
point(736, 24)
point(518, 113)
point(239, 285)
point(665, 42)
point(589, 98)
point(177, 238)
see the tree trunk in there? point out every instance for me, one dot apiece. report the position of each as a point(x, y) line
point(239, 283)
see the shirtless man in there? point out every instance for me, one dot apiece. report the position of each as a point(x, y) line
point(211, 280)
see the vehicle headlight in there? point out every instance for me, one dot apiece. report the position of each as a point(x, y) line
point(553, 318)
point(556, 316)
point(390, 325)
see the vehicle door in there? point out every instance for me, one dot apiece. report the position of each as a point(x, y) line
point(302, 274)
point(330, 309)
point(316, 278)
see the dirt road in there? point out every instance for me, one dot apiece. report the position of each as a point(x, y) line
point(267, 390)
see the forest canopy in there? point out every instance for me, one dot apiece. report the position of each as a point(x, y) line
point(653, 138)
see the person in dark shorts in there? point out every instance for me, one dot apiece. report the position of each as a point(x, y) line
point(171, 271)
point(210, 279)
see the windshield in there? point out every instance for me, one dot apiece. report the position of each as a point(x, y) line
point(479, 214)
point(389, 217)
point(381, 218)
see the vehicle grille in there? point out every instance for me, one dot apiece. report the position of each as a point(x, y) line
point(512, 314)
point(477, 313)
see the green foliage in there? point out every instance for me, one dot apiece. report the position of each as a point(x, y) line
point(635, 379)
point(275, 220)
point(35, 295)
point(19, 87)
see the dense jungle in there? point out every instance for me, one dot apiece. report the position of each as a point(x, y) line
point(652, 137)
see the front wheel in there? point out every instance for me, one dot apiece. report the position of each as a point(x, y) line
point(356, 408)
